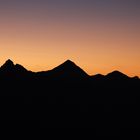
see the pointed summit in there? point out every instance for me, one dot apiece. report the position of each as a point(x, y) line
point(8, 65)
point(9, 61)
point(68, 64)
point(69, 70)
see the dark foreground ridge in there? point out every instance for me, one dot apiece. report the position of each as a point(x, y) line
point(67, 97)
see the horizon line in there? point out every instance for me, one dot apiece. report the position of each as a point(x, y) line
point(68, 60)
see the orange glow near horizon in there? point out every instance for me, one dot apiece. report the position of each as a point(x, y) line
point(97, 43)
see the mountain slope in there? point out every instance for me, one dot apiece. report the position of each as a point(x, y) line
point(116, 75)
point(9, 68)
point(68, 70)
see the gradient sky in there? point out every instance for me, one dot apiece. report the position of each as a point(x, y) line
point(98, 35)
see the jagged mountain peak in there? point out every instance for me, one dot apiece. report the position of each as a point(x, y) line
point(10, 67)
point(69, 69)
point(69, 63)
point(9, 61)
point(8, 64)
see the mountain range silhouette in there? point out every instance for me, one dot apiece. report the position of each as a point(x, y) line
point(67, 97)
point(68, 69)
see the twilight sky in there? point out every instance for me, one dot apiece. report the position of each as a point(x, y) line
point(98, 35)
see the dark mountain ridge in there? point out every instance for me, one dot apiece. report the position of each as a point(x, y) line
point(10, 67)
point(67, 70)
point(67, 97)
point(117, 75)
